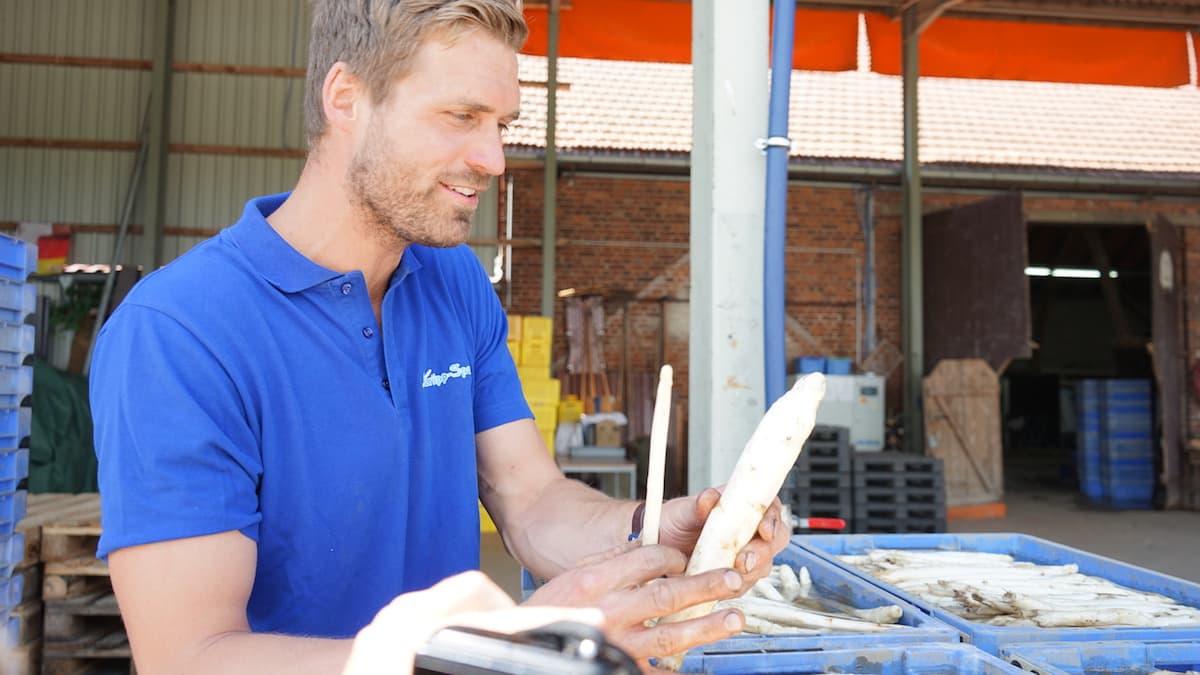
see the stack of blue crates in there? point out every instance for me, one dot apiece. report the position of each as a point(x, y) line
point(18, 299)
point(1127, 425)
point(1115, 442)
point(1087, 440)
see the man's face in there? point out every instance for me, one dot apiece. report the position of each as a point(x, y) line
point(433, 145)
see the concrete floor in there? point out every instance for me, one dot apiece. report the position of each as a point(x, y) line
point(1164, 541)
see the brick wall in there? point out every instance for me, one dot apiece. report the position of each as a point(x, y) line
point(622, 235)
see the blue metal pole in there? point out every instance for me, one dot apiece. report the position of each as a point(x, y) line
point(775, 229)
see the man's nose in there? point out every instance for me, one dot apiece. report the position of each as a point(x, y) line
point(486, 153)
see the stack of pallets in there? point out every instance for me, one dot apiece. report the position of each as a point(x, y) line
point(71, 624)
point(898, 492)
point(819, 485)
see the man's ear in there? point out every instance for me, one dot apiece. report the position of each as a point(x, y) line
point(342, 94)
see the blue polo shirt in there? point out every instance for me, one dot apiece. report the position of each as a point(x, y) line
point(243, 387)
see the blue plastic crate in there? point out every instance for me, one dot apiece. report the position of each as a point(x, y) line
point(1093, 490)
point(12, 551)
point(838, 366)
point(18, 259)
point(12, 510)
point(1105, 658)
point(16, 382)
point(12, 630)
point(810, 364)
point(11, 590)
point(17, 300)
point(14, 465)
point(16, 342)
point(835, 583)
point(1026, 548)
point(942, 659)
point(15, 424)
point(1118, 449)
point(1130, 387)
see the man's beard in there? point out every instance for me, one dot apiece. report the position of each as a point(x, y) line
point(398, 212)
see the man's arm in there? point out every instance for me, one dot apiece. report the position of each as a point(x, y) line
point(548, 522)
point(184, 606)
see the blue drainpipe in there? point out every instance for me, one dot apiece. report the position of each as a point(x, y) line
point(778, 147)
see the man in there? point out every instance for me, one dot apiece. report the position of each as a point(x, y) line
point(274, 464)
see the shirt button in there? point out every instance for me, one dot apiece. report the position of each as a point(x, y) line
point(346, 288)
point(387, 385)
point(368, 332)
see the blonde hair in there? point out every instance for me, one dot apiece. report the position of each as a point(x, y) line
point(378, 38)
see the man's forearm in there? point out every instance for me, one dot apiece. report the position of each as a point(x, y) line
point(267, 654)
point(568, 521)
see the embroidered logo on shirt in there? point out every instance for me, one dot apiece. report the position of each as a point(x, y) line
point(432, 379)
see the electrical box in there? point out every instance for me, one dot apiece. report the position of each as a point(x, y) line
point(855, 402)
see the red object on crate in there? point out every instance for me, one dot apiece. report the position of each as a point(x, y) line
point(821, 523)
point(52, 253)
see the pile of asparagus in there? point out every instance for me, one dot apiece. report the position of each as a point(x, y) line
point(995, 589)
point(785, 603)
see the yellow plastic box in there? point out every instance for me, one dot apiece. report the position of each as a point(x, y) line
point(537, 329)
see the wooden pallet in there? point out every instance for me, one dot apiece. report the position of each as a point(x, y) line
point(78, 626)
point(28, 617)
point(68, 621)
point(58, 509)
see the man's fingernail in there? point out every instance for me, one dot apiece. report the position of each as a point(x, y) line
point(751, 560)
point(733, 622)
point(733, 580)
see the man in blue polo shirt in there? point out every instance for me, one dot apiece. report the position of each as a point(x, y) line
point(295, 419)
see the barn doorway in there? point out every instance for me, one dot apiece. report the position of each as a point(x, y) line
point(1090, 299)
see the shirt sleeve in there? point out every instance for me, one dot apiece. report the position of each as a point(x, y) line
point(177, 454)
point(498, 396)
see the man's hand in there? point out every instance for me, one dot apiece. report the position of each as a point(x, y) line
point(388, 645)
point(627, 585)
point(683, 518)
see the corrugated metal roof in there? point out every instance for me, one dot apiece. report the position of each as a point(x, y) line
point(619, 107)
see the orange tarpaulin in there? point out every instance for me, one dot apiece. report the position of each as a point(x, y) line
point(661, 31)
point(1011, 50)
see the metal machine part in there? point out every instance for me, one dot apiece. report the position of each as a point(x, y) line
point(564, 648)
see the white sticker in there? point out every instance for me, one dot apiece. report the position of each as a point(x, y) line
point(1166, 271)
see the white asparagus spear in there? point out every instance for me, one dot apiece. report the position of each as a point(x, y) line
point(766, 590)
point(805, 582)
point(789, 583)
point(791, 615)
point(883, 614)
point(997, 590)
point(759, 473)
point(658, 455)
point(760, 626)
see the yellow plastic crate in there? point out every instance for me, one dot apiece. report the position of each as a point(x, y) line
point(514, 348)
point(570, 409)
point(535, 353)
point(514, 327)
point(537, 329)
point(533, 373)
point(548, 390)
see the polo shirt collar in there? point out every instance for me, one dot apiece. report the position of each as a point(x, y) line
point(283, 266)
